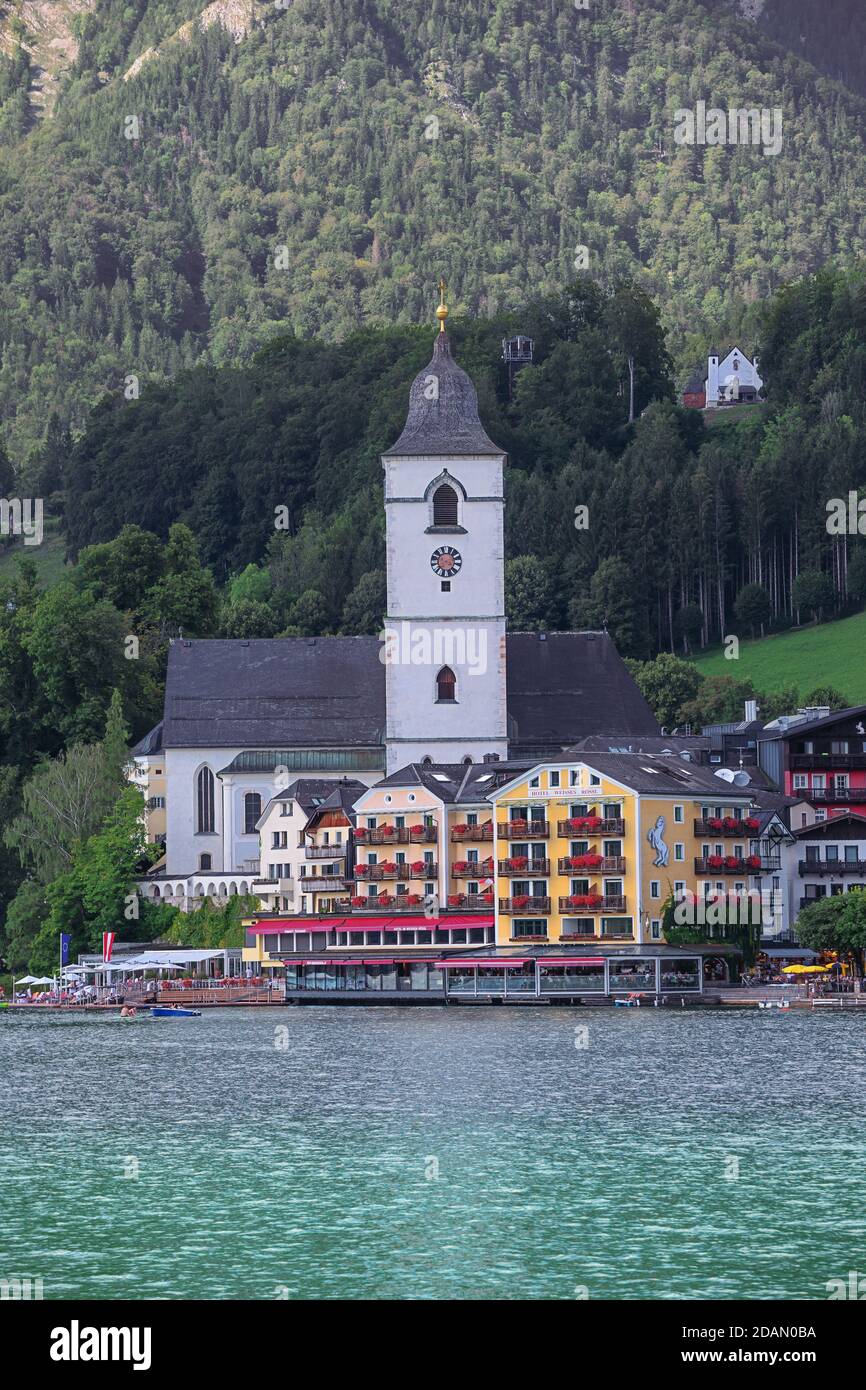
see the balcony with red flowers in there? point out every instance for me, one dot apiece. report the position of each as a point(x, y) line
point(728, 825)
point(523, 829)
point(592, 902)
point(521, 866)
point(475, 902)
point(592, 863)
point(472, 868)
point(524, 905)
point(462, 832)
point(729, 864)
point(578, 827)
point(396, 835)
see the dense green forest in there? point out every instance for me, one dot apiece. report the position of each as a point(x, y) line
point(694, 532)
point(830, 34)
point(318, 174)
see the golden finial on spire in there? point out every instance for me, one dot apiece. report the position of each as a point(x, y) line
point(442, 311)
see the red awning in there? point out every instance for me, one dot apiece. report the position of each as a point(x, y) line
point(499, 964)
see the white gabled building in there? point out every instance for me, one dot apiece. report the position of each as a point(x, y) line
point(732, 378)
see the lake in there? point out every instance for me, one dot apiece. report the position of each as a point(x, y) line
point(425, 1153)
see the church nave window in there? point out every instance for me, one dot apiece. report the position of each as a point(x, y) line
point(205, 801)
point(446, 686)
point(252, 811)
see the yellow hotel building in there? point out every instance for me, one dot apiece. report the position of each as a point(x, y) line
point(500, 880)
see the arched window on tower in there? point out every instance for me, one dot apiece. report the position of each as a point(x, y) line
point(426, 761)
point(204, 798)
point(446, 686)
point(252, 811)
point(445, 506)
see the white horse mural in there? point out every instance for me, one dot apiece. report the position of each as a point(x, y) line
point(656, 839)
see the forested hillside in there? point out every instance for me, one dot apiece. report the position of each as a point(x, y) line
point(314, 168)
point(692, 532)
point(830, 34)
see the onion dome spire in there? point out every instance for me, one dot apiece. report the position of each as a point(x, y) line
point(443, 415)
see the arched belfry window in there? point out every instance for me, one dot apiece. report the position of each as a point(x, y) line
point(252, 811)
point(445, 506)
point(446, 686)
point(204, 801)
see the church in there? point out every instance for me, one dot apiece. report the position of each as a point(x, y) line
point(443, 684)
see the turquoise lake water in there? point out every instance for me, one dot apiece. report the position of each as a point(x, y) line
point(425, 1153)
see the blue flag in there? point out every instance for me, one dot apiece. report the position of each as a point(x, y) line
point(64, 948)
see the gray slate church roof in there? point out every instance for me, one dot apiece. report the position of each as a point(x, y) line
point(329, 692)
point(448, 425)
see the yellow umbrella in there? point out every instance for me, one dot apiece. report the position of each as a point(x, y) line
point(804, 969)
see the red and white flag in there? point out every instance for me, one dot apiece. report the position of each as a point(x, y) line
point(107, 945)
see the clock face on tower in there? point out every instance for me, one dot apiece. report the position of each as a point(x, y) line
point(446, 561)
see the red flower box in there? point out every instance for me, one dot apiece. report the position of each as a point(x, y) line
point(455, 899)
point(418, 867)
point(362, 870)
point(358, 901)
point(714, 822)
point(361, 834)
point(518, 827)
point(522, 900)
point(416, 832)
point(460, 865)
point(731, 823)
point(388, 866)
point(521, 861)
point(714, 861)
point(488, 898)
point(460, 829)
point(414, 899)
point(585, 861)
point(732, 862)
point(385, 899)
point(752, 823)
point(753, 861)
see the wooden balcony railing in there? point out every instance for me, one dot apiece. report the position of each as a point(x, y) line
point(591, 902)
point(606, 864)
point(472, 868)
point(727, 825)
point(523, 830)
point(402, 873)
point(578, 829)
point(831, 866)
point(396, 835)
point(731, 864)
point(324, 851)
point(460, 832)
point(524, 906)
point(522, 867)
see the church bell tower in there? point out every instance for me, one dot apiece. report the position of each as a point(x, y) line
point(444, 648)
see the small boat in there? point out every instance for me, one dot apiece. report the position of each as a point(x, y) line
point(176, 1012)
point(631, 1002)
point(782, 1004)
